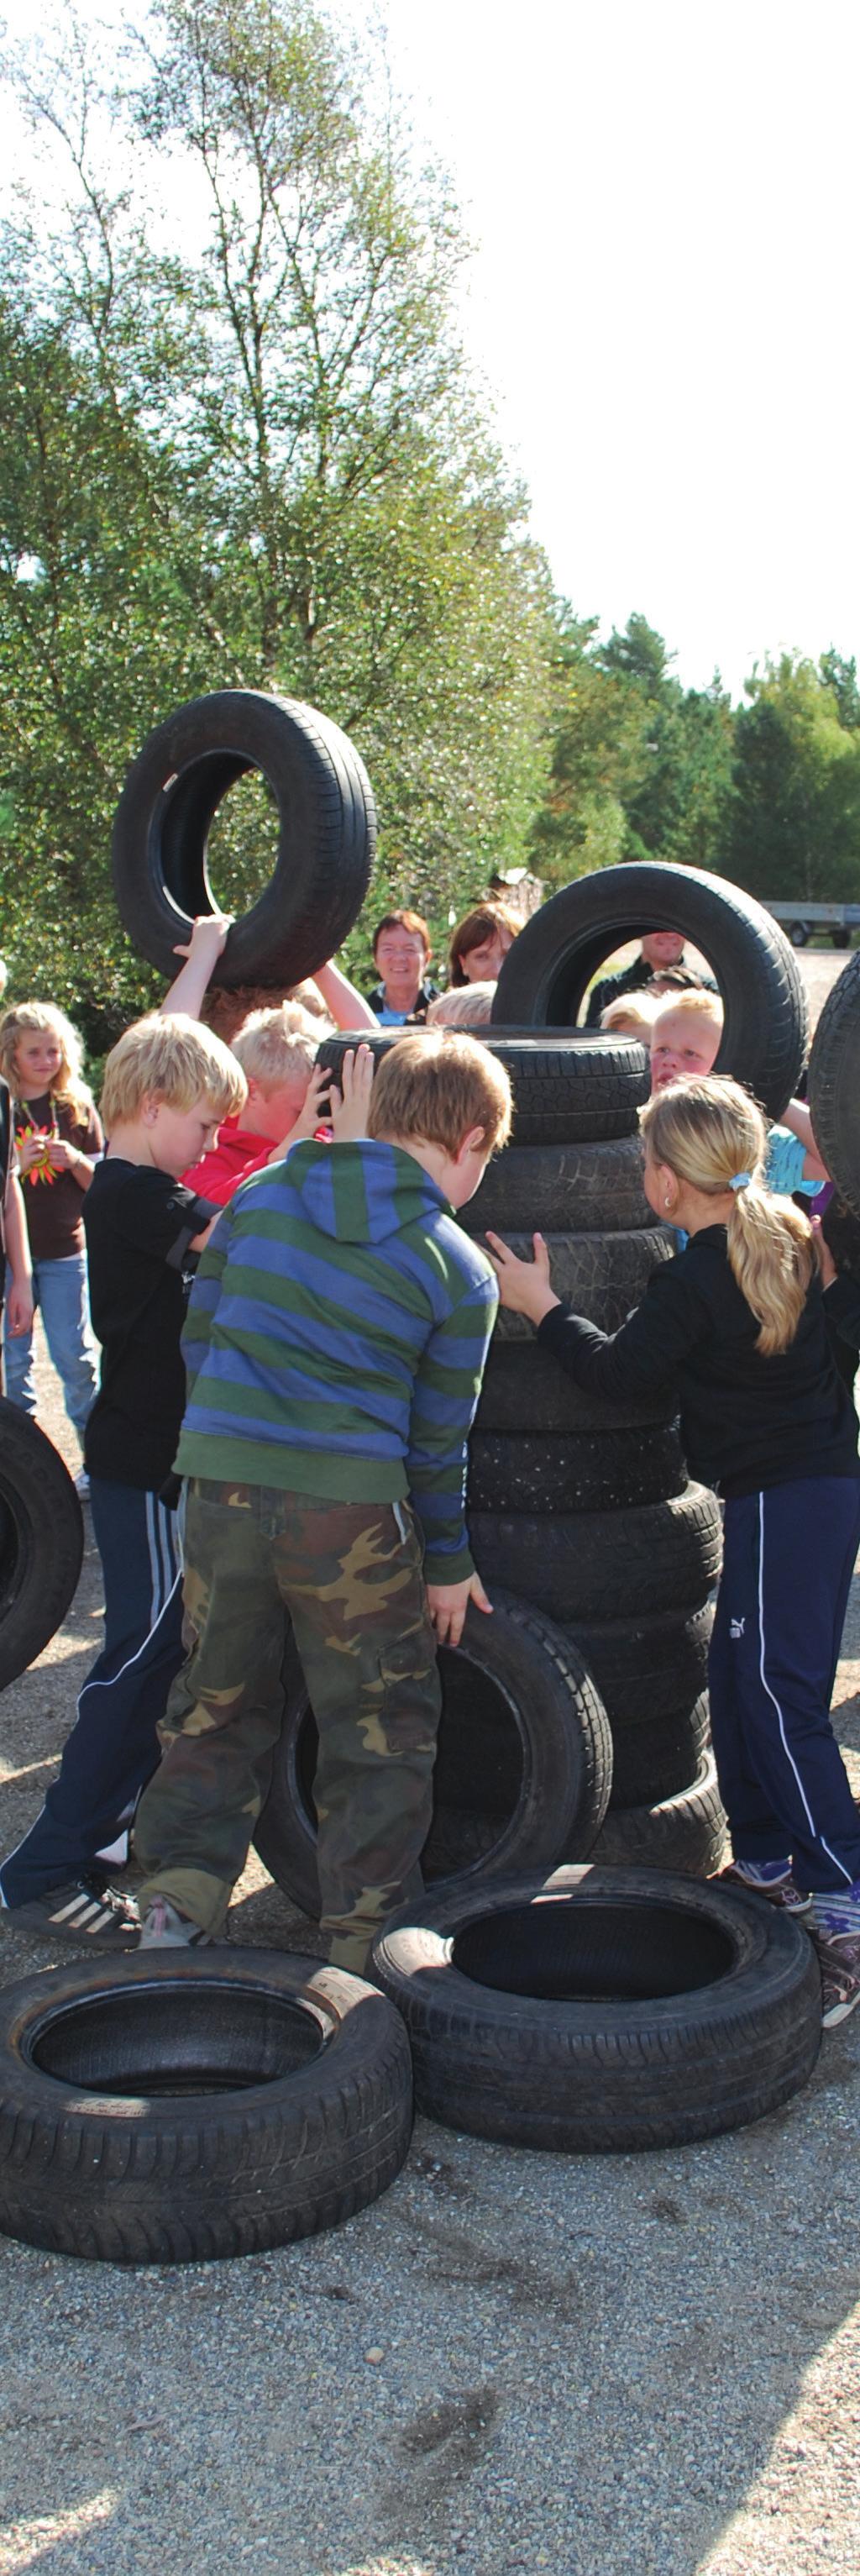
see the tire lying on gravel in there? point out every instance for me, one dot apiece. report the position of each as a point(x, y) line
point(602, 2010)
point(523, 1770)
point(525, 1390)
point(569, 1472)
point(547, 971)
point(602, 1565)
point(563, 1187)
point(567, 1088)
point(834, 1083)
point(685, 1832)
point(41, 1541)
point(603, 1275)
point(327, 834)
point(177, 2110)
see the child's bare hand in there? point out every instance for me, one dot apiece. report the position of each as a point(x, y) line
point(448, 1604)
point(208, 935)
point(62, 1156)
point(311, 1115)
point(351, 1102)
point(824, 1256)
point(524, 1286)
point(19, 1306)
point(30, 1151)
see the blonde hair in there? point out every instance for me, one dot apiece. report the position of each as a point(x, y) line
point(171, 1058)
point(436, 1087)
point(632, 1014)
point(67, 1087)
point(273, 1045)
point(713, 1136)
point(469, 1005)
point(695, 1004)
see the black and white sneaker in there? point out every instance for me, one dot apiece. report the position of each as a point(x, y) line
point(82, 1910)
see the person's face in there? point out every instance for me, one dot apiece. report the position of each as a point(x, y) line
point(38, 1057)
point(273, 1113)
point(683, 1045)
point(663, 947)
point(400, 957)
point(180, 1137)
point(484, 964)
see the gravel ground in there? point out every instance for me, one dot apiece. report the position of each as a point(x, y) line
point(591, 2366)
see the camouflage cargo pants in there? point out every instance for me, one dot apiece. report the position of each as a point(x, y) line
point(349, 1574)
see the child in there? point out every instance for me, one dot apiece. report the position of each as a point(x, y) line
point(736, 1325)
point(335, 1345)
point(286, 1094)
point(58, 1137)
point(631, 1015)
point(166, 1085)
point(685, 1043)
point(466, 1006)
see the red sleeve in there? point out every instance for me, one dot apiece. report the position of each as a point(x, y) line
point(218, 1174)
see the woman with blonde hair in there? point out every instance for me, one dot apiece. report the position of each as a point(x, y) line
point(57, 1141)
point(736, 1325)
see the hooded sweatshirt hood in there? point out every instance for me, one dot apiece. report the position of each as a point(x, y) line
point(362, 1193)
point(336, 1339)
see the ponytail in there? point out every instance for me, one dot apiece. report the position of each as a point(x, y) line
point(713, 1137)
point(772, 1257)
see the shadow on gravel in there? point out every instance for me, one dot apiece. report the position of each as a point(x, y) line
point(594, 2367)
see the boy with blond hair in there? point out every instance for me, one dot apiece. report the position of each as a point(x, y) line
point(335, 1345)
point(166, 1085)
point(285, 1100)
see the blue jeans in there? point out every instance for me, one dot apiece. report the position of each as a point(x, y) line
point(113, 1746)
point(60, 1289)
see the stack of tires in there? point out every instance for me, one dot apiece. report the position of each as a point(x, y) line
point(585, 1508)
point(591, 1539)
point(586, 1690)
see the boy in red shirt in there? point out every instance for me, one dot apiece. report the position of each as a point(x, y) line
point(287, 1092)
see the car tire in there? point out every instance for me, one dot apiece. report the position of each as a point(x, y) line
point(546, 972)
point(656, 1757)
point(602, 2011)
point(834, 1083)
point(655, 1660)
point(568, 1088)
point(567, 1472)
point(524, 1389)
point(41, 1541)
point(182, 2109)
point(327, 832)
point(601, 1275)
point(584, 1566)
point(523, 1770)
point(686, 1832)
point(563, 1188)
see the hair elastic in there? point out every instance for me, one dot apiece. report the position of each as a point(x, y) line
point(740, 1180)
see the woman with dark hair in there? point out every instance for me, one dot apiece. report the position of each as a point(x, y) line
point(480, 943)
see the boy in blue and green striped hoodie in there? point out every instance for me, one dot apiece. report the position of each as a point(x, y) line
point(335, 1345)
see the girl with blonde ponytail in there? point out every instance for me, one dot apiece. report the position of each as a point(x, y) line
point(735, 1326)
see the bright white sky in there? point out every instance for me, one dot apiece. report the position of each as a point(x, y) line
point(662, 196)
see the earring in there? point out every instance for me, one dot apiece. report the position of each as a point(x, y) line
point(667, 1201)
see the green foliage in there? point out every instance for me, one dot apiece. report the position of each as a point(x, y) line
point(640, 768)
point(797, 814)
point(257, 461)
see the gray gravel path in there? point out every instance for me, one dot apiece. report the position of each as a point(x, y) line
point(611, 2366)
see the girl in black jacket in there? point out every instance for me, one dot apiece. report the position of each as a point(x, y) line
point(735, 1325)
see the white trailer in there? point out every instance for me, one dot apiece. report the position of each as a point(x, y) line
point(801, 919)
